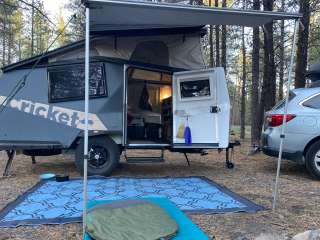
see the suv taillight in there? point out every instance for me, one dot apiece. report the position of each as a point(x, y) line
point(275, 120)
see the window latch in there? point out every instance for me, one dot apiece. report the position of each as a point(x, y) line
point(214, 109)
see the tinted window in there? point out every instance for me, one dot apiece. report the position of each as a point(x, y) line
point(67, 82)
point(313, 102)
point(283, 101)
point(198, 88)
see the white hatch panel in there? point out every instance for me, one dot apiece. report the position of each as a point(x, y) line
point(197, 104)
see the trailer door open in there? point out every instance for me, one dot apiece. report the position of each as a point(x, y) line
point(196, 104)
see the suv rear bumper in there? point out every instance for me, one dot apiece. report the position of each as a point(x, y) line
point(270, 146)
point(295, 156)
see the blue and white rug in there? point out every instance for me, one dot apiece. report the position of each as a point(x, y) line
point(51, 202)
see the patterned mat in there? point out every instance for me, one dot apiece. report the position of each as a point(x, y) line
point(51, 202)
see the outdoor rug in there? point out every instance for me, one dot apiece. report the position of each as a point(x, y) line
point(51, 202)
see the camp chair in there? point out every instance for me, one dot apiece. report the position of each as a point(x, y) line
point(187, 229)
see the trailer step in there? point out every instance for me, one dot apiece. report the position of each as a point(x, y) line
point(145, 159)
point(137, 160)
point(147, 146)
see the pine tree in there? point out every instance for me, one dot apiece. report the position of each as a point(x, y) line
point(269, 70)
point(244, 82)
point(76, 24)
point(217, 30)
point(302, 50)
point(255, 122)
point(224, 42)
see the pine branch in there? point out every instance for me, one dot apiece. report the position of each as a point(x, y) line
point(37, 9)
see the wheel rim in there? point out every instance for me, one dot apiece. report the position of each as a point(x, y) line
point(99, 157)
point(317, 160)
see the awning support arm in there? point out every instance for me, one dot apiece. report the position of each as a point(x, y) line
point(285, 112)
point(86, 130)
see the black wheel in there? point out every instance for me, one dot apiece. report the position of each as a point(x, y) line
point(104, 156)
point(313, 160)
point(230, 165)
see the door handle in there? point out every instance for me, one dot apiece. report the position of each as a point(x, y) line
point(214, 109)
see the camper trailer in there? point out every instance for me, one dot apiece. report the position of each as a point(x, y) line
point(149, 89)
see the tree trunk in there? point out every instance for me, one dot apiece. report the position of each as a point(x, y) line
point(19, 49)
point(211, 63)
point(4, 37)
point(224, 42)
point(217, 28)
point(302, 51)
point(32, 29)
point(243, 89)
point(269, 70)
point(10, 41)
point(281, 50)
point(255, 126)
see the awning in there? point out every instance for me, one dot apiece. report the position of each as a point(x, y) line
point(120, 14)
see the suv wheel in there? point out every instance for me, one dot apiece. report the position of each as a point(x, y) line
point(313, 160)
point(104, 156)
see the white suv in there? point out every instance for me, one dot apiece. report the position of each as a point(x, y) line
point(302, 138)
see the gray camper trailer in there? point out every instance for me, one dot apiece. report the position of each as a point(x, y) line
point(145, 87)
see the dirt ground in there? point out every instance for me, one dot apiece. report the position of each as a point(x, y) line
point(253, 177)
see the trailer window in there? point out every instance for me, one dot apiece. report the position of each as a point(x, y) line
point(197, 88)
point(67, 82)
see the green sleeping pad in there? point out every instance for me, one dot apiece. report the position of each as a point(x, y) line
point(130, 220)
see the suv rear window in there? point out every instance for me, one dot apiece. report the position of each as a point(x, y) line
point(283, 101)
point(313, 102)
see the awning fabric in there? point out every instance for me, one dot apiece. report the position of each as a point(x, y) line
point(119, 14)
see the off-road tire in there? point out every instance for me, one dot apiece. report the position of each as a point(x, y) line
point(103, 144)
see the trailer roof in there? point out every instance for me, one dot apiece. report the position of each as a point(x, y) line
point(122, 14)
point(75, 45)
point(131, 63)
